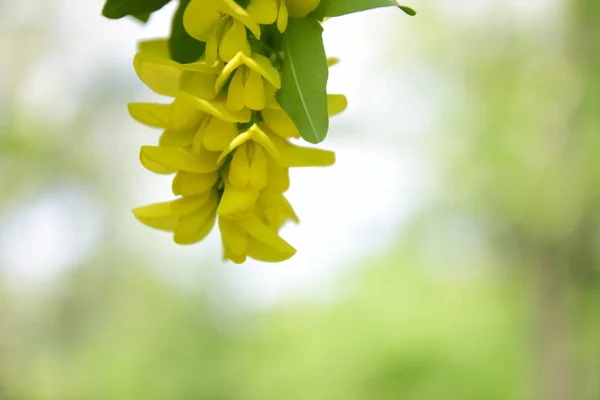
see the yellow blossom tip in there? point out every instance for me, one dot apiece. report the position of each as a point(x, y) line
point(332, 61)
point(336, 104)
point(150, 114)
point(175, 159)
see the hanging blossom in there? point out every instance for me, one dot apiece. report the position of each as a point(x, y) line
point(225, 137)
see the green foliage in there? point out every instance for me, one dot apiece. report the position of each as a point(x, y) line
point(182, 47)
point(303, 93)
point(410, 11)
point(336, 8)
point(140, 9)
point(122, 333)
point(142, 17)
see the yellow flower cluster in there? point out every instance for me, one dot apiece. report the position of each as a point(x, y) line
point(225, 137)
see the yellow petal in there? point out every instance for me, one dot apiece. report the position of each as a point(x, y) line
point(211, 53)
point(164, 216)
point(278, 209)
point(257, 135)
point(172, 209)
point(271, 96)
point(218, 134)
point(258, 230)
point(199, 84)
point(234, 41)
point(282, 18)
point(297, 156)
point(235, 240)
point(174, 158)
point(263, 11)
point(260, 137)
point(154, 67)
point(331, 61)
point(185, 115)
point(336, 103)
point(301, 8)
point(155, 167)
point(195, 226)
point(189, 183)
point(199, 136)
point(228, 255)
point(280, 123)
point(257, 62)
point(208, 158)
point(151, 114)
point(263, 66)
point(172, 138)
point(254, 91)
point(201, 17)
point(156, 52)
point(163, 80)
point(216, 107)
point(235, 93)
point(278, 178)
point(229, 69)
point(259, 211)
point(262, 252)
point(239, 169)
point(236, 200)
point(258, 169)
point(167, 224)
point(234, 144)
point(230, 7)
point(156, 47)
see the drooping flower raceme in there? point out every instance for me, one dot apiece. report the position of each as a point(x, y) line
point(225, 136)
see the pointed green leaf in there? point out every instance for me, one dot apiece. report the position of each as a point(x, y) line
point(116, 9)
point(182, 47)
point(408, 10)
point(143, 18)
point(303, 93)
point(335, 8)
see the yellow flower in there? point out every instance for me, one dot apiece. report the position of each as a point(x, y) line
point(222, 25)
point(267, 12)
point(202, 17)
point(252, 237)
point(260, 160)
point(336, 103)
point(254, 77)
point(239, 176)
point(155, 68)
point(230, 39)
point(189, 218)
point(253, 234)
point(225, 138)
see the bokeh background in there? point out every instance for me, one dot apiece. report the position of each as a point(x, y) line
point(451, 253)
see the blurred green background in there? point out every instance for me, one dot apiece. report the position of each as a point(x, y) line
point(452, 253)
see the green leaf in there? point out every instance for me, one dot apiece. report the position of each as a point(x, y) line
point(303, 93)
point(182, 47)
point(335, 8)
point(408, 10)
point(115, 9)
point(143, 18)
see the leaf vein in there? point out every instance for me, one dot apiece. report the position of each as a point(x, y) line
point(300, 94)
